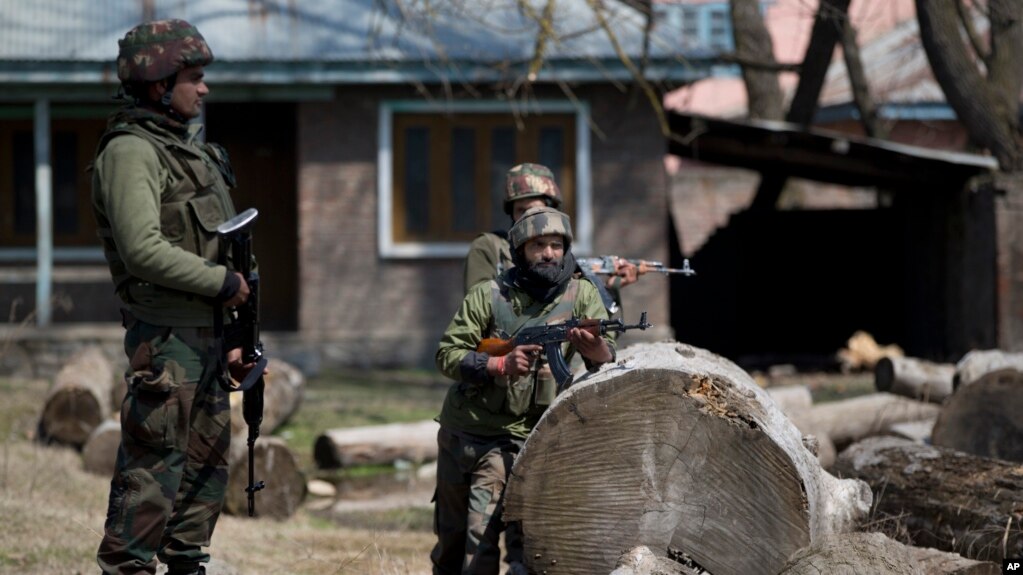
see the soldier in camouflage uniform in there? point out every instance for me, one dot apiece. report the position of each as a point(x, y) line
point(158, 196)
point(527, 186)
point(487, 415)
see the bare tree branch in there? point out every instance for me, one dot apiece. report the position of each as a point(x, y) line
point(858, 82)
point(754, 63)
point(971, 31)
point(753, 40)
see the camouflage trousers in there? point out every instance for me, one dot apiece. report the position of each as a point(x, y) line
point(169, 484)
point(471, 475)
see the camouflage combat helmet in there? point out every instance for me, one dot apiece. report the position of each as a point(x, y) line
point(530, 181)
point(159, 49)
point(538, 222)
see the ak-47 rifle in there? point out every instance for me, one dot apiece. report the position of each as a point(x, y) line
point(551, 337)
point(236, 235)
point(607, 265)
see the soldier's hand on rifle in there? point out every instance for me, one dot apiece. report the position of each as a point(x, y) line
point(237, 369)
point(592, 347)
point(626, 271)
point(239, 296)
point(515, 363)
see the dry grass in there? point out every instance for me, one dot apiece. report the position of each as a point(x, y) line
point(52, 515)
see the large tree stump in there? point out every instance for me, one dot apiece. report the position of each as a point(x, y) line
point(984, 416)
point(677, 449)
point(99, 455)
point(377, 444)
point(79, 399)
point(975, 364)
point(848, 420)
point(942, 498)
point(914, 378)
point(275, 465)
point(859, 553)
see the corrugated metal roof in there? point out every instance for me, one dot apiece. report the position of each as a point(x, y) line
point(336, 32)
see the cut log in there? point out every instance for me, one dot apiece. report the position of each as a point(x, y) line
point(377, 444)
point(848, 420)
point(99, 455)
point(858, 553)
point(918, 431)
point(976, 363)
point(791, 398)
point(941, 498)
point(284, 483)
point(914, 378)
point(677, 449)
point(983, 416)
point(79, 399)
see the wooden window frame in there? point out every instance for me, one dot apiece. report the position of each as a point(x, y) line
point(392, 239)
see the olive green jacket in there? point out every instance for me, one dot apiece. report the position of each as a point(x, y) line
point(470, 405)
point(157, 220)
point(489, 256)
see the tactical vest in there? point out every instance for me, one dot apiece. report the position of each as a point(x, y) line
point(190, 210)
point(535, 390)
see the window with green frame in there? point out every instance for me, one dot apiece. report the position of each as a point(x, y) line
point(448, 170)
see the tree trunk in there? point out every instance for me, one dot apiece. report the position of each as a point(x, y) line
point(677, 449)
point(976, 364)
point(848, 420)
point(858, 83)
point(99, 455)
point(79, 399)
point(752, 41)
point(988, 108)
point(914, 378)
point(857, 553)
point(983, 417)
point(275, 465)
point(941, 498)
point(377, 444)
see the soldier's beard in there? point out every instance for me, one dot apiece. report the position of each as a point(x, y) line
point(548, 272)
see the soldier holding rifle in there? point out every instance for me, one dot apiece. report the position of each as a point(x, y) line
point(158, 195)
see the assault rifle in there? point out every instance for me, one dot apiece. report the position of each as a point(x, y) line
point(236, 235)
point(551, 337)
point(606, 265)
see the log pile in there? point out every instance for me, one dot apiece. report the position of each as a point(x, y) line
point(677, 449)
point(858, 553)
point(983, 416)
point(942, 498)
point(914, 378)
point(79, 399)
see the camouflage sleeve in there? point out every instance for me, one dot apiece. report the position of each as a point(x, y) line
point(456, 356)
point(481, 262)
point(588, 305)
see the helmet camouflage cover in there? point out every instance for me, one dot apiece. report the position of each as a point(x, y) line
point(530, 181)
point(538, 222)
point(159, 49)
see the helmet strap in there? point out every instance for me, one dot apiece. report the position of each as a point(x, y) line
point(166, 99)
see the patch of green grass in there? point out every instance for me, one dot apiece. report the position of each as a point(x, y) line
point(339, 399)
point(22, 406)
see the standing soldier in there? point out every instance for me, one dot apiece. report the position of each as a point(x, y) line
point(495, 404)
point(158, 196)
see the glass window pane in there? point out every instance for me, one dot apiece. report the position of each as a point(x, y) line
point(24, 183)
point(502, 159)
point(65, 183)
point(417, 179)
point(552, 146)
point(463, 180)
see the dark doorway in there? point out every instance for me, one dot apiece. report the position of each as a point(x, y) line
point(261, 138)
